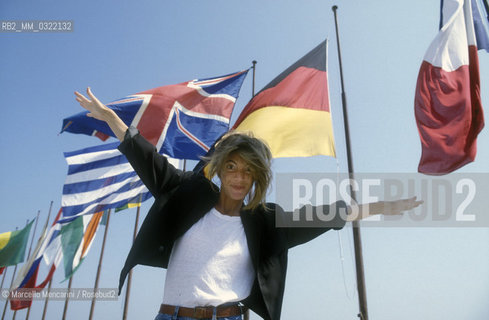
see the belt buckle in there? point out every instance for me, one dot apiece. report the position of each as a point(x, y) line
point(200, 312)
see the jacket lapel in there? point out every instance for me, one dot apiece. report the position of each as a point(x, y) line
point(190, 203)
point(252, 228)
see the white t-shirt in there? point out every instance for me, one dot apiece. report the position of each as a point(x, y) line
point(210, 264)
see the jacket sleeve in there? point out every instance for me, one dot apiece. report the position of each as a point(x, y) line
point(308, 222)
point(155, 171)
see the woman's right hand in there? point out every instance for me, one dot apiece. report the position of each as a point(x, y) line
point(99, 111)
point(96, 108)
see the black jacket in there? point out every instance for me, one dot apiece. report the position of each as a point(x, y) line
point(182, 198)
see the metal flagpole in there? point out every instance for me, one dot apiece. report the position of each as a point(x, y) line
point(253, 83)
point(129, 277)
point(29, 254)
point(3, 278)
point(246, 315)
point(11, 283)
point(47, 300)
point(46, 223)
point(8, 298)
point(65, 309)
point(486, 5)
point(30, 248)
point(92, 307)
point(34, 233)
point(362, 296)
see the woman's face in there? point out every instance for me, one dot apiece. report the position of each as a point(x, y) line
point(236, 178)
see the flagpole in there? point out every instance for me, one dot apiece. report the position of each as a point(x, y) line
point(15, 311)
point(253, 83)
point(362, 296)
point(129, 277)
point(11, 283)
point(34, 233)
point(246, 315)
point(47, 300)
point(8, 298)
point(47, 221)
point(486, 5)
point(30, 248)
point(3, 278)
point(87, 230)
point(65, 309)
point(92, 307)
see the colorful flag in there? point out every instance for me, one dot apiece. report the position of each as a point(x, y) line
point(448, 105)
point(480, 14)
point(99, 178)
point(68, 240)
point(13, 244)
point(132, 203)
point(105, 217)
point(181, 120)
point(76, 240)
point(292, 113)
point(27, 276)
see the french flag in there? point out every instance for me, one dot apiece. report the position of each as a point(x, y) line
point(448, 105)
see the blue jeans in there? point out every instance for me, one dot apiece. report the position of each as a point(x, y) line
point(163, 316)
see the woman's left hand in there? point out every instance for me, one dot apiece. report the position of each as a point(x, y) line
point(384, 207)
point(394, 207)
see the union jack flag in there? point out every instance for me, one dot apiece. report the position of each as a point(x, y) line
point(181, 120)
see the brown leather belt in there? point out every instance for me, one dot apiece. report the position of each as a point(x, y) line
point(204, 312)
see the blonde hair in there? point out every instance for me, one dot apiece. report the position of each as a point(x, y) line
point(254, 152)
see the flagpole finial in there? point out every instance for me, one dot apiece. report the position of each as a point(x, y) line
point(334, 8)
point(253, 81)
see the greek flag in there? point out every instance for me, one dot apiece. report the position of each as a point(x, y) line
point(100, 178)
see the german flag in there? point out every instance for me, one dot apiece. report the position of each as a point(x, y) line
point(292, 112)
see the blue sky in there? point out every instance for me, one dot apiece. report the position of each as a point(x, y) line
point(123, 47)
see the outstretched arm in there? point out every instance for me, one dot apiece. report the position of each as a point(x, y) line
point(299, 235)
point(153, 168)
point(382, 207)
point(101, 112)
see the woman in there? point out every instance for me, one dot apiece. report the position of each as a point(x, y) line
point(220, 244)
